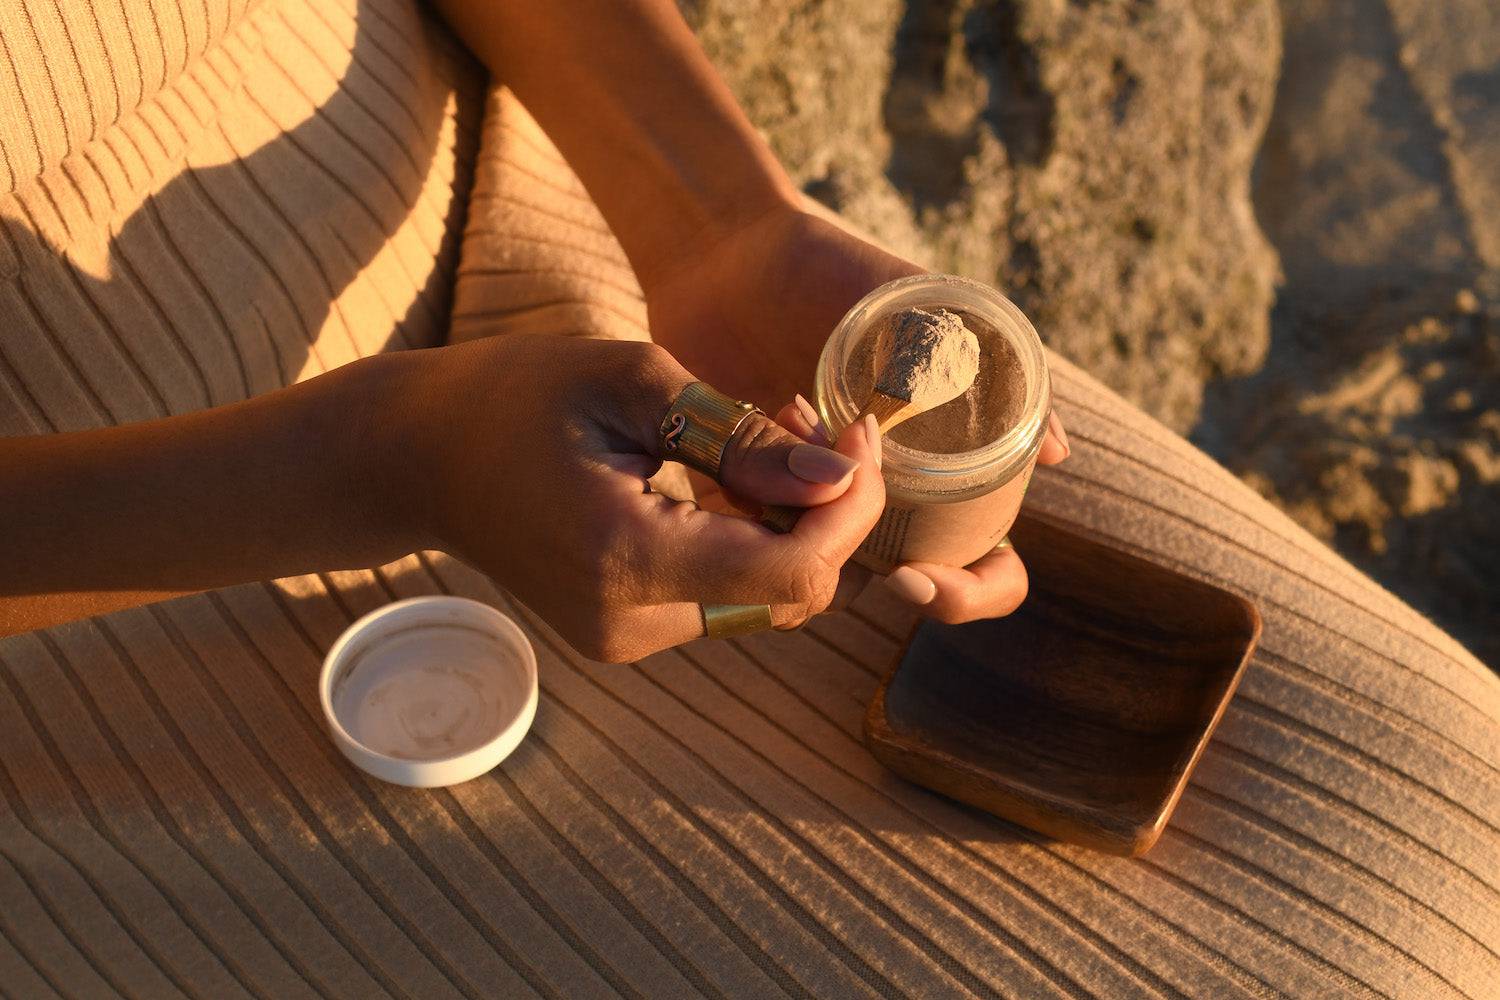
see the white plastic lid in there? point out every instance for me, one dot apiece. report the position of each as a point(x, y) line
point(429, 691)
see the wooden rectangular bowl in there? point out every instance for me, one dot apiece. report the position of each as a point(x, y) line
point(1082, 714)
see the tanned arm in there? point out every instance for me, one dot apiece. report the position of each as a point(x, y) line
point(625, 92)
point(288, 482)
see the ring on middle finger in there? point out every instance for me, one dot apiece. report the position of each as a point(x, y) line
point(699, 425)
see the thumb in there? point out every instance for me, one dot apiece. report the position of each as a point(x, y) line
point(766, 464)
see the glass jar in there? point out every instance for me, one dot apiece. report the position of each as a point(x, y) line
point(948, 508)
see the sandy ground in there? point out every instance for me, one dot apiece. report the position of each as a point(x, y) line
point(1276, 227)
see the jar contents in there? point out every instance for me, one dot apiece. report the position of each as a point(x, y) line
point(954, 475)
point(990, 406)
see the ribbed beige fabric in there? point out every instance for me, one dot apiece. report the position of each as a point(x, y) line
point(203, 203)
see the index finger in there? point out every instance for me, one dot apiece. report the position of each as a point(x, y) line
point(991, 587)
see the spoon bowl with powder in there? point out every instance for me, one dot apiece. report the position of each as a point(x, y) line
point(923, 359)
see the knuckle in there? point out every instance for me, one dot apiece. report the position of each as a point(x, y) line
point(954, 609)
point(657, 359)
point(656, 364)
point(1014, 597)
point(641, 368)
point(757, 432)
point(602, 639)
point(814, 584)
point(641, 355)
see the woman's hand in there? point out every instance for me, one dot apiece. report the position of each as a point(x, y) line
point(540, 448)
point(527, 456)
point(752, 312)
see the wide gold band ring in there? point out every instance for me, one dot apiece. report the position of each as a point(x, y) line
point(720, 621)
point(699, 425)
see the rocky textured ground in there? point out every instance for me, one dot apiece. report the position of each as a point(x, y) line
point(1296, 259)
point(1375, 420)
point(1092, 159)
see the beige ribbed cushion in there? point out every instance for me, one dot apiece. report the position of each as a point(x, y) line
point(174, 820)
point(290, 200)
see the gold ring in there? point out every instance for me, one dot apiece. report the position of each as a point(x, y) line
point(699, 425)
point(1002, 545)
point(720, 621)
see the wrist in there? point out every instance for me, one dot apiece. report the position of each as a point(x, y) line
point(712, 220)
point(717, 240)
point(379, 450)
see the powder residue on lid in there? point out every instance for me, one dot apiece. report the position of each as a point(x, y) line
point(983, 413)
point(429, 692)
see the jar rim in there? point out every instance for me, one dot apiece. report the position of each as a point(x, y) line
point(959, 472)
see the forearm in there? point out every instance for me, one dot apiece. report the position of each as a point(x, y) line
point(290, 482)
point(623, 89)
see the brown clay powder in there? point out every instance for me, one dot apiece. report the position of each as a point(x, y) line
point(927, 358)
point(983, 413)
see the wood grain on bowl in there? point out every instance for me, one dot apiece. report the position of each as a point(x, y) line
point(1082, 714)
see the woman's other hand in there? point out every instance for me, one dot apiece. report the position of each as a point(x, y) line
point(751, 314)
point(749, 310)
point(990, 587)
point(540, 448)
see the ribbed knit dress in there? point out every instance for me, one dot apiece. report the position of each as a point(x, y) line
point(200, 201)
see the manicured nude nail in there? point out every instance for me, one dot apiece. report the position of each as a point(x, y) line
point(872, 435)
point(819, 465)
point(1059, 433)
point(910, 585)
point(808, 413)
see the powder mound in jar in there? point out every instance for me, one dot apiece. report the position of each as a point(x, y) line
point(925, 357)
point(983, 413)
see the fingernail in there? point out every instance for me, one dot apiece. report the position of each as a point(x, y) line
point(872, 435)
point(808, 413)
point(1059, 433)
point(911, 586)
point(819, 465)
